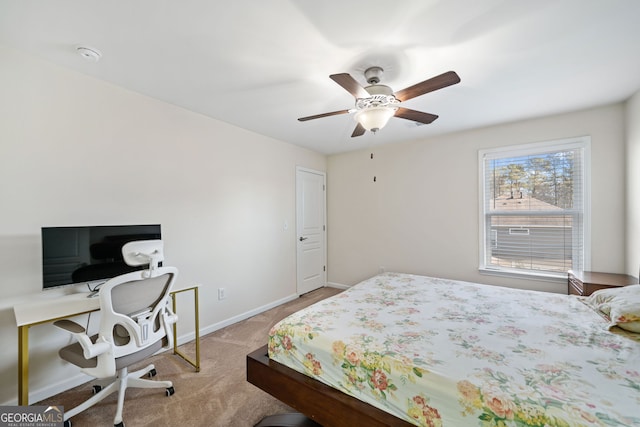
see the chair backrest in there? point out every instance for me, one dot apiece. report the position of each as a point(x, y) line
point(135, 307)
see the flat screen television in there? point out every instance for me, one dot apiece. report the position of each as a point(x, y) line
point(88, 254)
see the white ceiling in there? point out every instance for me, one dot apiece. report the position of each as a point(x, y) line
point(261, 64)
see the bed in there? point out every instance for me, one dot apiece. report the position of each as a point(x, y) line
point(401, 349)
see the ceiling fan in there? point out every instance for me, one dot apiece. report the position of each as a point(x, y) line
point(377, 103)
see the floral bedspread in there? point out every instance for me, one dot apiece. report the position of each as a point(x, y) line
point(438, 352)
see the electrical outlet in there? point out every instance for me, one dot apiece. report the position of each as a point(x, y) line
point(221, 293)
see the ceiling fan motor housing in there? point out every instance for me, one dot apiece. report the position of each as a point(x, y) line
point(381, 96)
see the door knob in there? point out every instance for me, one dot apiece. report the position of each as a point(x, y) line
point(303, 238)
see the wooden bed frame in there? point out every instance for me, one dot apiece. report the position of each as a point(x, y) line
point(323, 404)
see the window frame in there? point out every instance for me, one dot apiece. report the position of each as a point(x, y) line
point(520, 150)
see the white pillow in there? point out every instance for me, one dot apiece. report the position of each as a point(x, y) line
point(620, 306)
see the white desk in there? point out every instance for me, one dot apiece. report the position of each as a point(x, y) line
point(48, 310)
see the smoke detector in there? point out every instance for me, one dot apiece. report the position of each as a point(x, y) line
point(89, 53)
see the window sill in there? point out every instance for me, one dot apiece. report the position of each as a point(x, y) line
point(545, 277)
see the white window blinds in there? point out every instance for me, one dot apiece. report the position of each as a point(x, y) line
point(533, 207)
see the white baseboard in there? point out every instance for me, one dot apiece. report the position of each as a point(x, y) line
point(235, 319)
point(337, 285)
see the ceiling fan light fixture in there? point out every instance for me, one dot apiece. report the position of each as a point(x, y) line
point(374, 118)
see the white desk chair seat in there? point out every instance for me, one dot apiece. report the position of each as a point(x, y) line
point(74, 354)
point(136, 321)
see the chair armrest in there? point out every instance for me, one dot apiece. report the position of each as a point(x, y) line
point(89, 349)
point(171, 318)
point(70, 326)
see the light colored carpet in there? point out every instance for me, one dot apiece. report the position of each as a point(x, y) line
point(218, 395)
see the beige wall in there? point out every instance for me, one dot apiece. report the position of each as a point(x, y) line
point(78, 151)
point(410, 221)
point(633, 185)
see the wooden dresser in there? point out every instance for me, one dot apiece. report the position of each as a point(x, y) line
point(586, 282)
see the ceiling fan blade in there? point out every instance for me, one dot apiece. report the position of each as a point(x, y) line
point(358, 131)
point(416, 116)
point(438, 82)
point(350, 85)
point(318, 116)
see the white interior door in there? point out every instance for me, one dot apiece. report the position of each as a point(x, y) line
point(311, 230)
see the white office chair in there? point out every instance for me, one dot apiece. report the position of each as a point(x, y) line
point(136, 321)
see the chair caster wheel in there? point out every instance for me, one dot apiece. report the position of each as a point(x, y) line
point(67, 423)
point(170, 391)
point(152, 373)
point(120, 424)
point(96, 389)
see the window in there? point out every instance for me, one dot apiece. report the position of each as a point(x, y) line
point(534, 201)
